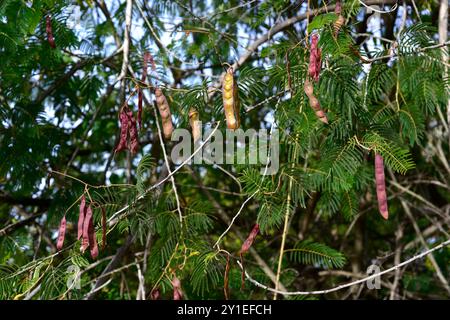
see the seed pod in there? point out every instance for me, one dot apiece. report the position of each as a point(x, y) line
point(62, 233)
point(195, 124)
point(250, 239)
point(48, 29)
point(123, 117)
point(134, 141)
point(246, 246)
point(155, 294)
point(176, 284)
point(103, 228)
point(87, 221)
point(314, 102)
point(315, 62)
point(381, 186)
point(92, 239)
point(81, 216)
point(340, 20)
point(230, 100)
point(164, 112)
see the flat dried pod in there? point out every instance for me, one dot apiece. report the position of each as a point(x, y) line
point(87, 221)
point(92, 239)
point(246, 246)
point(194, 121)
point(132, 127)
point(314, 102)
point(81, 216)
point(230, 100)
point(337, 25)
point(62, 233)
point(124, 124)
point(315, 62)
point(381, 186)
point(49, 30)
point(164, 112)
point(176, 284)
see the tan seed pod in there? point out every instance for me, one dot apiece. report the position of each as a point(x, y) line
point(230, 100)
point(340, 20)
point(314, 102)
point(164, 112)
point(309, 90)
point(194, 121)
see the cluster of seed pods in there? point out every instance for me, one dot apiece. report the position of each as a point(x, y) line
point(86, 230)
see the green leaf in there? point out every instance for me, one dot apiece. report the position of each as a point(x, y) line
point(322, 20)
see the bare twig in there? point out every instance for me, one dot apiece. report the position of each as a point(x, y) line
point(350, 284)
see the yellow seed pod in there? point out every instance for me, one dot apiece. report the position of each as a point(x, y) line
point(194, 121)
point(230, 100)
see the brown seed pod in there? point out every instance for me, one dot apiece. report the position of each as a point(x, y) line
point(134, 141)
point(340, 20)
point(155, 294)
point(164, 112)
point(246, 246)
point(81, 216)
point(176, 284)
point(123, 118)
point(92, 239)
point(315, 62)
point(49, 30)
point(62, 233)
point(381, 186)
point(194, 121)
point(87, 221)
point(230, 100)
point(314, 102)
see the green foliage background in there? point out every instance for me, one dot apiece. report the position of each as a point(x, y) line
point(59, 114)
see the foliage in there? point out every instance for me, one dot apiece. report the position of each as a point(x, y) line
point(59, 128)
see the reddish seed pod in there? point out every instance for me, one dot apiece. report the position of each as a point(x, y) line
point(92, 239)
point(381, 186)
point(81, 216)
point(87, 221)
point(176, 284)
point(123, 118)
point(155, 294)
point(134, 141)
point(314, 58)
point(62, 233)
point(250, 239)
point(48, 29)
point(164, 112)
point(246, 246)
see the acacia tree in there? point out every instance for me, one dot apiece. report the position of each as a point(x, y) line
point(89, 94)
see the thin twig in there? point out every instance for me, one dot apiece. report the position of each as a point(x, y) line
point(353, 283)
